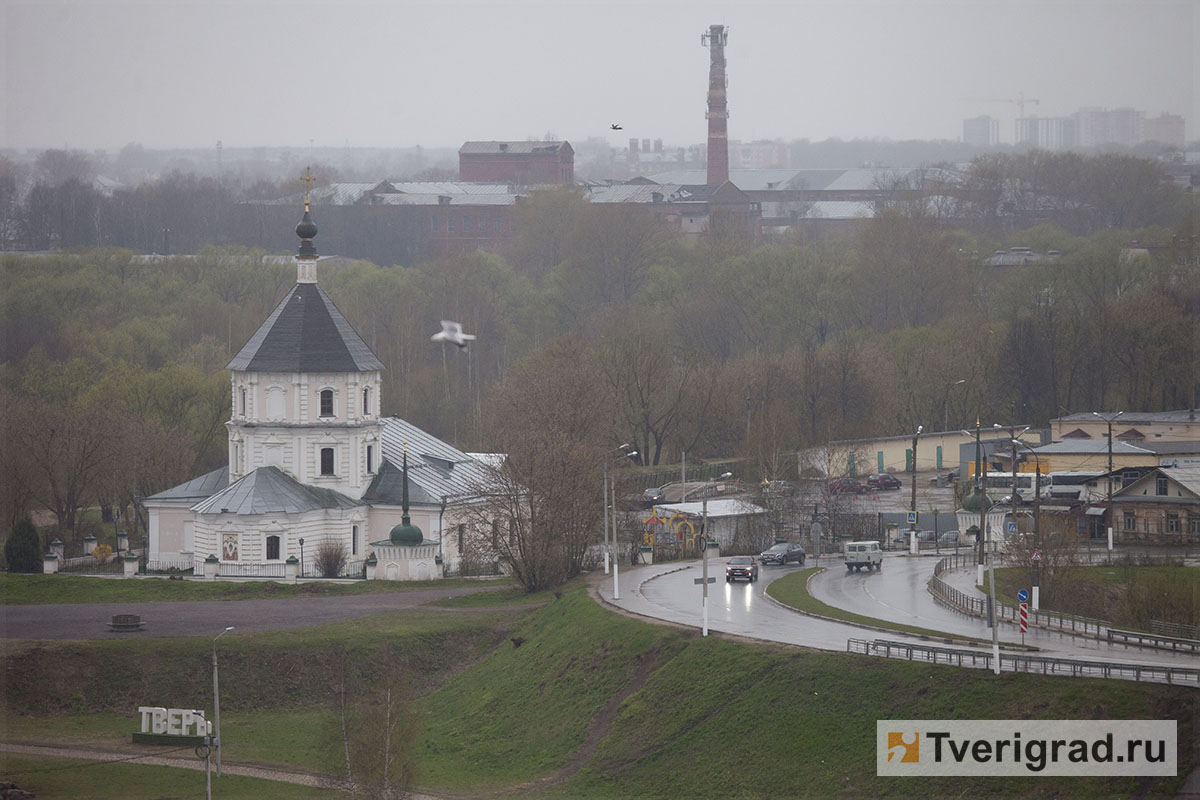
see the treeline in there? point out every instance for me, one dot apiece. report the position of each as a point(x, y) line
point(114, 384)
point(60, 202)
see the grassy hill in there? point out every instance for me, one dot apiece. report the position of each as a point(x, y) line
point(572, 700)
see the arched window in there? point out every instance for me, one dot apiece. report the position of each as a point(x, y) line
point(326, 460)
point(242, 401)
point(272, 548)
point(327, 402)
point(367, 401)
point(370, 458)
point(353, 540)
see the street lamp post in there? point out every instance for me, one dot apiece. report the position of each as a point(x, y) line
point(912, 525)
point(946, 402)
point(1037, 507)
point(217, 699)
point(301, 556)
point(605, 531)
point(1108, 510)
point(704, 549)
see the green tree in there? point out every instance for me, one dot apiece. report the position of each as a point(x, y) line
point(22, 551)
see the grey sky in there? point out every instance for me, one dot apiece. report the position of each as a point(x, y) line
point(186, 73)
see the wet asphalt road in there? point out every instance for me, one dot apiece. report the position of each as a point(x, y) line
point(208, 617)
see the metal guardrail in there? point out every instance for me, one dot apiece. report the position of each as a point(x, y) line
point(977, 606)
point(87, 565)
point(1015, 662)
point(1175, 629)
point(1175, 643)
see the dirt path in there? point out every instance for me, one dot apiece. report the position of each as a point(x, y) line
point(180, 762)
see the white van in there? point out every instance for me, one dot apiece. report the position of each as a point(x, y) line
point(863, 554)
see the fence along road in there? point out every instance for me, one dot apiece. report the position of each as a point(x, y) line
point(667, 592)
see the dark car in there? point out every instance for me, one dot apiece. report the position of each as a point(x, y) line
point(845, 486)
point(652, 496)
point(741, 567)
point(783, 552)
point(883, 481)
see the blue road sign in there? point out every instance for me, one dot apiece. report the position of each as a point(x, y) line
point(1022, 596)
point(1012, 527)
point(912, 518)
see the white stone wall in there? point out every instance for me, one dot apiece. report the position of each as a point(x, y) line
point(250, 534)
point(281, 426)
point(400, 563)
point(169, 527)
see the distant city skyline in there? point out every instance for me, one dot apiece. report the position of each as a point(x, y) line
point(186, 74)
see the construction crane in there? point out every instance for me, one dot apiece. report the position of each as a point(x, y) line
point(1020, 100)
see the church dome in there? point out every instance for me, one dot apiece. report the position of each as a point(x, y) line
point(974, 500)
point(406, 534)
point(306, 228)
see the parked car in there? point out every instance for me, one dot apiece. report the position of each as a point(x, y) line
point(845, 486)
point(883, 481)
point(949, 538)
point(741, 567)
point(783, 552)
point(928, 537)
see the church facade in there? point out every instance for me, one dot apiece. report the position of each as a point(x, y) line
point(313, 466)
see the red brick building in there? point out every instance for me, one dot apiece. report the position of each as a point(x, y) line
point(521, 163)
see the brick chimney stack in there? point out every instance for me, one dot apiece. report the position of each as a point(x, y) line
point(718, 112)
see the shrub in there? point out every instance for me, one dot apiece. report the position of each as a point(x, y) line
point(331, 557)
point(23, 551)
point(102, 553)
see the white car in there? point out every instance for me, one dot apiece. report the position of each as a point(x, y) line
point(863, 554)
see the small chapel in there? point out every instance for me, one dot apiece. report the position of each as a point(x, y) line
point(312, 463)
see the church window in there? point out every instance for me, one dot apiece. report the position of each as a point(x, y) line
point(272, 548)
point(327, 402)
point(370, 458)
point(242, 401)
point(353, 540)
point(276, 403)
point(367, 401)
point(326, 460)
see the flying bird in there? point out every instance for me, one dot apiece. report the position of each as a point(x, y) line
point(615, 126)
point(452, 332)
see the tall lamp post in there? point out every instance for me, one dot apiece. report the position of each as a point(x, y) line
point(616, 553)
point(704, 548)
point(912, 525)
point(946, 402)
point(217, 699)
point(1108, 509)
point(1037, 507)
point(606, 457)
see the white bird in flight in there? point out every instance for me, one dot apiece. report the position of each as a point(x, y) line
point(452, 332)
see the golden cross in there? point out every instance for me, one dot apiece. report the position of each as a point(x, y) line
point(308, 179)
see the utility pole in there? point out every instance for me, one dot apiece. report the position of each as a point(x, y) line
point(1108, 510)
point(912, 526)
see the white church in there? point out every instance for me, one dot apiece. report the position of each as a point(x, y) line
point(311, 461)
